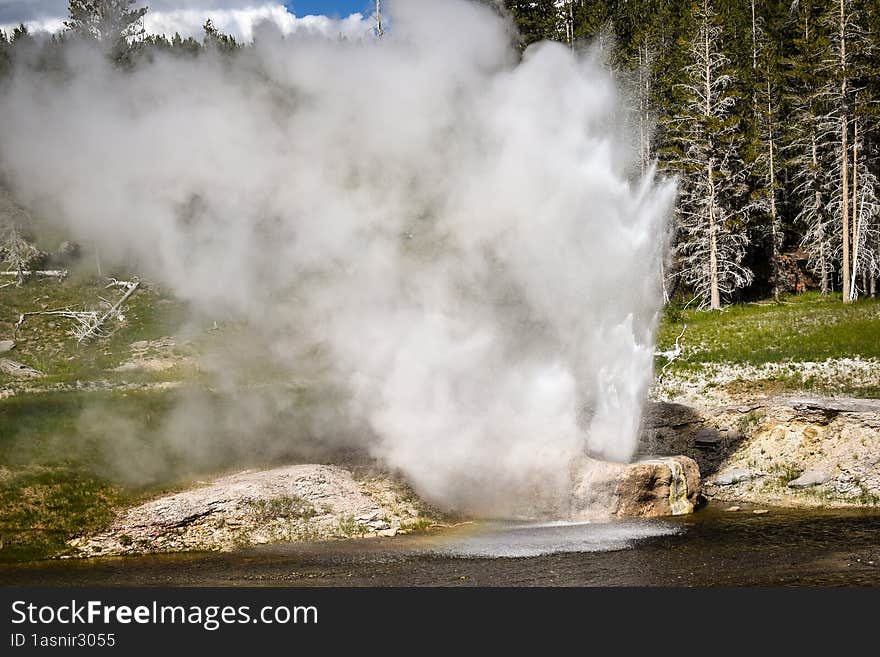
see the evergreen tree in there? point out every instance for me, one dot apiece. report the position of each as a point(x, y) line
point(764, 164)
point(216, 39)
point(537, 20)
point(106, 21)
point(809, 135)
point(790, 140)
point(114, 24)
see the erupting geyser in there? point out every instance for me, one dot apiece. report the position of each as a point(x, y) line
point(463, 235)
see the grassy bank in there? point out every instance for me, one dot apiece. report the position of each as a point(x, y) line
point(45, 343)
point(56, 479)
point(808, 328)
point(89, 437)
point(69, 460)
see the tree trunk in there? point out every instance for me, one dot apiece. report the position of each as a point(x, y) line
point(853, 291)
point(844, 160)
point(98, 260)
point(874, 273)
point(844, 173)
point(754, 60)
point(823, 263)
point(714, 293)
point(774, 252)
point(644, 109)
point(379, 30)
point(569, 23)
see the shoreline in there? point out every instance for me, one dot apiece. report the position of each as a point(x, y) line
point(749, 451)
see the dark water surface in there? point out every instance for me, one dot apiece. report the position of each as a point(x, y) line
point(710, 547)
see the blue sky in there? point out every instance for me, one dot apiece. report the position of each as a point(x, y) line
point(24, 10)
point(236, 17)
point(330, 7)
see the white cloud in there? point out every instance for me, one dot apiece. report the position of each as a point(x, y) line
point(235, 17)
point(240, 22)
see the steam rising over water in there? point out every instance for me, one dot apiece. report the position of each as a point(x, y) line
point(454, 241)
point(496, 540)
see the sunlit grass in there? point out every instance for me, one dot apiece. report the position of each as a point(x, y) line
point(46, 344)
point(807, 327)
point(804, 328)
point(69, 460)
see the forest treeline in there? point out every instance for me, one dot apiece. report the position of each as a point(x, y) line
point(768, 114)
point(767, 111)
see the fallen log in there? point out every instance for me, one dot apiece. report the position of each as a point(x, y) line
point(114, 310)
point(87, 322)
point(60, 274)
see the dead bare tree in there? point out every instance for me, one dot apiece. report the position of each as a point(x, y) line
point(671, 355)
point(21, 274)
point(711, 236)
point(114, 311)
point(379, 29)
point(88, 324)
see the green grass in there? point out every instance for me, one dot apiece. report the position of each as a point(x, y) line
point(749, 422)
point(45, 342)
point(804, 328)
point(55, 480)
point(49, 429)
point(69, 460)
point(808, 327)
point(41, 509)
point(349, 527)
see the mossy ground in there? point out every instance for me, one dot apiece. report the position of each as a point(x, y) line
point(45, 342)
point(54, 482)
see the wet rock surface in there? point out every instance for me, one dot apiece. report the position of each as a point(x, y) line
point(795, 451)
point(733, 476)
point(785, 451)
point(650, 487)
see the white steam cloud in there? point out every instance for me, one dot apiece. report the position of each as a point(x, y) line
point(459, 235)
point(240, 18)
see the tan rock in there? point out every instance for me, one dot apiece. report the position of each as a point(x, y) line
point(662, 486)
point(18, 370)
point(254, 507)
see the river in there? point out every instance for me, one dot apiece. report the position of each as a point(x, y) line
point(710, 547)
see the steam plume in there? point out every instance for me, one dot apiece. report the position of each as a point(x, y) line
point(453, 238)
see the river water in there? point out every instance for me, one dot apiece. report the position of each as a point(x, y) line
point(710, 547)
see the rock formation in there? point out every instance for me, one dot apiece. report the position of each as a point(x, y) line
point(786, 451)
point(289, 503)
point(651, 487)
